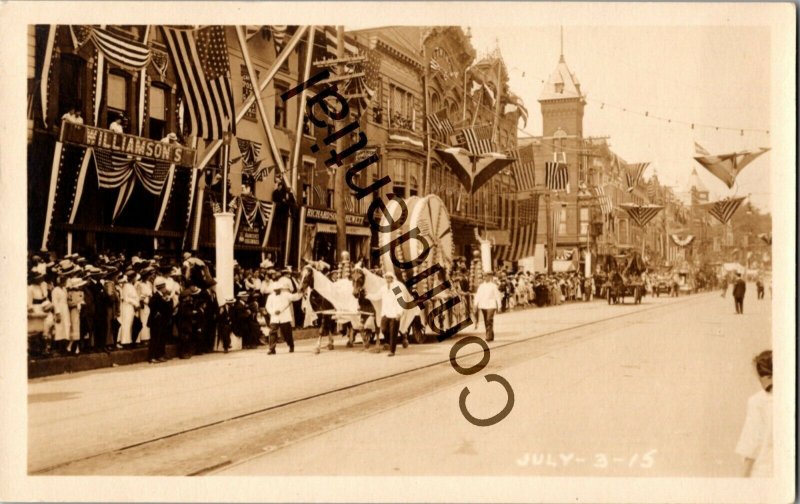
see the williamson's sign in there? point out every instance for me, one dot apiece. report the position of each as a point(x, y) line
point(90, 136)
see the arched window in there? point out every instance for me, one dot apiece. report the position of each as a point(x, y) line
point(436, 104)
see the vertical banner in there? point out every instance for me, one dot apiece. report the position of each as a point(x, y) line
point(51, 195)
point(44, 80)
point(301, 234)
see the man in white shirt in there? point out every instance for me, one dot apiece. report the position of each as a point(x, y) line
point(390, 312)
point(279, 308)
point(487, 301)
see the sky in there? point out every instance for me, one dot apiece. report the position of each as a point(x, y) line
point(704, 75)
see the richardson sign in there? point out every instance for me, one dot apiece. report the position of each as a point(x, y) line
point(330, 216)
point(90, 136)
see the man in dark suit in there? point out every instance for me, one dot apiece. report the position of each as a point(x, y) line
point(739, 289)
point(159, 322)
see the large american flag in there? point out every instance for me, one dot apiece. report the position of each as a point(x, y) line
point(203, 68)
point(606, 205)
point(523, 167)
point(476, 139)
point(123, 52)
point(556, 176)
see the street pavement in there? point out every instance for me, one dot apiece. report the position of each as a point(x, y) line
point(663, 395)
point(671, 375)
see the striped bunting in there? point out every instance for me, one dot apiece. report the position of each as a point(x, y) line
point(321, 194)
point(440, 124)
point(633, 173)
point(114, 170)
point(250, 151)
point(266, 210)
point(121, 51)
point(476, 139)
point(556, 176)
point(250, 209)
point(279, 34)
point(555, 214)
point(641, 214)
point(523, 167)
point(724, 209)
point(203, 69)
point(682, 241)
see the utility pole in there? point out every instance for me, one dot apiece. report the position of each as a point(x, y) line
point(338, 182)
point(549, 219)
point(426, 111)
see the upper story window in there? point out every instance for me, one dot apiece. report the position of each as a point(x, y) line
point(157, 113)
point(117, 92)
point(280, 105)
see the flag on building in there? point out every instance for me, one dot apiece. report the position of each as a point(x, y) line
point(203, 69)
point(606, 205)
point(724, 209)
point(555, 217)
point(523, 167)
point(121, 51)
point(521, 221)
point(556, 176)
point(440, 124)
point(476, 139)
point(633, 173)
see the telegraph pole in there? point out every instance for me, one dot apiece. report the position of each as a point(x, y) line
point(549, 220)
point(338, 181)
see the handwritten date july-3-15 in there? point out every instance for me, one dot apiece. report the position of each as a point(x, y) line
point(597, 460)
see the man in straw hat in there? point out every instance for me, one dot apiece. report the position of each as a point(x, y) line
point(279, 308)
point(390, 312)
point(488, 300)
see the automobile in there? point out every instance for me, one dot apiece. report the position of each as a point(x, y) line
point(662, 285)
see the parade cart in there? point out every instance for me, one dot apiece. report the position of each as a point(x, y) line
point(626, 281)
point(429, 215)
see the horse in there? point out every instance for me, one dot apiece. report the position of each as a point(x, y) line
point(320, 305)
point(410, 320)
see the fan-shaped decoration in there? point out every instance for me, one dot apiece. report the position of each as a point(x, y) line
point(684, 241)
point(724, 209)
point(641, 214)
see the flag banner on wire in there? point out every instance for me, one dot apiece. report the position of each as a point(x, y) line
point(633, 173)
point(440, 124)
point(641, 214)
point(476, 139)
point(682, 241)
point(555, 217)
point(523, 167)
point(724, 209)
point(766, 238)
point(727, 167)
point(700, 150)
point(203, 69)
point(121, 51)
point(556, 176)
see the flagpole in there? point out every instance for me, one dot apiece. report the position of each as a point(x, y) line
point(338, 185)
point(426, 105)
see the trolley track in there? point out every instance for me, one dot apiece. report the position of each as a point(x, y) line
point(217, 445)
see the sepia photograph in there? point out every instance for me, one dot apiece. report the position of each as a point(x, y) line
point(363, 257)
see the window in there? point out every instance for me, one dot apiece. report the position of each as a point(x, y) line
point(308, 127)
point(402, 108)
point(306, 194)
point(414, 186)
point(584, 221)
point(157, 113)
point(116, 97)
point(70, 84)
point(280, 106)
point(330, 198)
point(562, 224)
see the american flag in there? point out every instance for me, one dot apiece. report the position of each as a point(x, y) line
point(523, 167)
point(372, 78)
point(266, 210)
point(440, 123)
point(322, 196)
point(122, 52)
point(606, 205)
point(203, 68)
point(556, 176)
point(476, 139)
point(724, 209)
point(555, 213)
point(250, 151)
point(633, 172)
point(521, 220)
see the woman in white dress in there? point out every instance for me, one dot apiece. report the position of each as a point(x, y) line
point(144, 289)
point(60, 313)
point(129, 303)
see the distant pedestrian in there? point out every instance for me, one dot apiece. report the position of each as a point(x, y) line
point(755, 441)
point(760, 288)
point(488, 300)
point(739, 289)
point(724, 283)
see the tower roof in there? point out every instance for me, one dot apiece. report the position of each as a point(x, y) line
point(561, 84)
point(696, 183)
